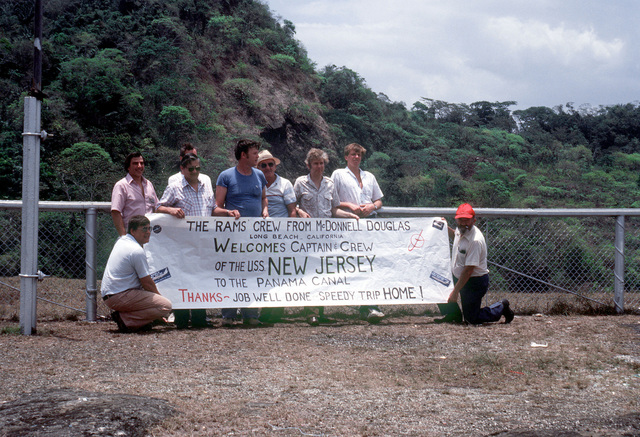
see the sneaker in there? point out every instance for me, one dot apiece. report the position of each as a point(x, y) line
point(313, 321)
point(115, 316)
point(507, 312)
point(374, 316)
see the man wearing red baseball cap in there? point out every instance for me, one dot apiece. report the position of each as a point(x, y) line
point(470, 273)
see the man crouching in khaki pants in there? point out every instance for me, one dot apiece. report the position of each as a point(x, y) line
point(127, 287)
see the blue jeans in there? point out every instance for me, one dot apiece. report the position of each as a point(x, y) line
point(471, 296)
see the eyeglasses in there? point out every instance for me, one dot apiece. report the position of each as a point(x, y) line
point(192, 169)
point(267, 164)
point(146, 228)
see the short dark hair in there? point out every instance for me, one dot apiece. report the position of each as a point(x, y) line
point(186, 148)
point(243, 146)
point(186, 159)
point(137, 221)
point(130, 156)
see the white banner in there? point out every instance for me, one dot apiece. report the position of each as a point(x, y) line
point(215, 262)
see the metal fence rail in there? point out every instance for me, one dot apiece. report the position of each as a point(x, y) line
point(545, 260)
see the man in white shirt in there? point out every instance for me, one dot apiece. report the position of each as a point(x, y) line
point(470, 273)
point(358, 189)
point(359, 194)
point(127, 287)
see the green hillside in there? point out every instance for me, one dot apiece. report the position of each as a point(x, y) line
point(123, 75)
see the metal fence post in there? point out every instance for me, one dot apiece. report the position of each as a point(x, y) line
point(618, 296)
point(30, 196)
point(90, 261)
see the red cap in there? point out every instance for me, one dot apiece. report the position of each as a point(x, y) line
point(465, 211)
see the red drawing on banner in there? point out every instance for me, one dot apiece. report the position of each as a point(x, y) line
point(416, 241)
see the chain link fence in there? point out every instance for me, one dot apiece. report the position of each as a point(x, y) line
point(61, 256)
point(541, 264)
point(560, 264)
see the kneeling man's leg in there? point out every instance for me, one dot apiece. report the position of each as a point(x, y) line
point(471, 296)
point(139, 307)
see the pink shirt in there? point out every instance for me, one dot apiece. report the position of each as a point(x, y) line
point(127, 198)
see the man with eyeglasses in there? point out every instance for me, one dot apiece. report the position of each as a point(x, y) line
point(127, 287)
point(190, 196)
point(280, 195)
point(243, 188)
point(184, 149)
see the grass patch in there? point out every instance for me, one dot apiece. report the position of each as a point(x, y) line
point(10, 330)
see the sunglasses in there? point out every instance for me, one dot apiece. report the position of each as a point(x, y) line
point(267, 164)
point(192, 169)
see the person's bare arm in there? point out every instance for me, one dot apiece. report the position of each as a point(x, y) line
point(348, 206)
point(341, 213)
point(265, 204)
point(367, 209)
point(221, 196)
point(176, 212)
point(148, 284)
point(302, 213)
point(221, 212)
point(292, 210)
point(462, 280)
point(116, 216)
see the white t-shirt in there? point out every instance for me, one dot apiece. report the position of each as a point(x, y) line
point(469, 249)
point(126, 265)
point(280, 194)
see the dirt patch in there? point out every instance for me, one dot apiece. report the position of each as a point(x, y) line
point(573, 376)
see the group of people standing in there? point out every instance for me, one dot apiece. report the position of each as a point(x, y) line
point(252, 188)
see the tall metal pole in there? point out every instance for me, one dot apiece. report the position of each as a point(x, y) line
point(30, 197)
point(618, 273)
point(30, 187)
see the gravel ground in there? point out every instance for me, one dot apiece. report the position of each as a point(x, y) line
point(538, 376)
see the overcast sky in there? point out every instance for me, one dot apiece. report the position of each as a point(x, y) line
point(536, 52)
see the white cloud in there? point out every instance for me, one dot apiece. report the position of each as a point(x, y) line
point(537, 53)
point(566, 45)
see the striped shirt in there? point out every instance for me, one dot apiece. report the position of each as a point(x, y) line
point(194, 203)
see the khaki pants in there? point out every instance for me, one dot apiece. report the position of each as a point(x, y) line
point(139, 307)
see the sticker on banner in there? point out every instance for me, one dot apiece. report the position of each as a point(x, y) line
point(439, 278)
point(161, 275)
